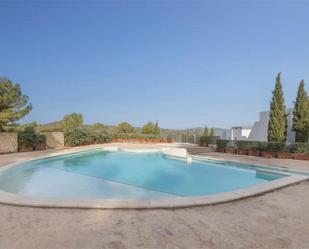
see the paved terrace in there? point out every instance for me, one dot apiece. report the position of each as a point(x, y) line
point(279, 219)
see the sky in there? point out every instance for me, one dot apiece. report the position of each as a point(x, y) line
point(183, 63)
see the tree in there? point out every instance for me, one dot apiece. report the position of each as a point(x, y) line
point(72, 121)
point(301, 114)
point(98, 127)
point(277, 125)
point(13, 104)
point(206, 132)
point(125, 127)
point(157, 129)
point(148, 128)
point(212, 132)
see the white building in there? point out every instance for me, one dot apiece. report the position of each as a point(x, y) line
point(237, 133)
point(260, 128)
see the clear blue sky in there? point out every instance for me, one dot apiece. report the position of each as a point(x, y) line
point(185, 64)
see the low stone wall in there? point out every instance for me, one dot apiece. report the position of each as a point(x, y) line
point(54, 140)
point(8, 142)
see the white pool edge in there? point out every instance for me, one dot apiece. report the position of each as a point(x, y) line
point(178, 202)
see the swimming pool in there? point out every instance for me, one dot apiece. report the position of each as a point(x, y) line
point(125, 175)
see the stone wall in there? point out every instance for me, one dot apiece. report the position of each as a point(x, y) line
point(54, 140)
point(8, 142)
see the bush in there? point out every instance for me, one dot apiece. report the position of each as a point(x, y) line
point(135, 136)
point(41, 139)
point(29, 138)
point(251, 145)
point(222, 144)
point(83, 136)
point(261, 146)
point(204, 140)
point(299, 148)
point(276, 146)
point(265, 146)
point(57, 126)
point(244, 145)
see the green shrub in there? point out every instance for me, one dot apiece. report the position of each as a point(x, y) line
point(261, 146)
point(55, 127)
point(41, 139)
point(204, 140)
point(265, 146)
point(299, 148)
point(276, 146)
point(76, 136)
point(222, 143)
point(134, 136)
point(245, 145)
point(251, 145)
point(29, 138)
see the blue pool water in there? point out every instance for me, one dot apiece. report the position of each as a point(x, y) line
point(102, 174)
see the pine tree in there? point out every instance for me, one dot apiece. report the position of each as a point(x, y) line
point(301, 114)
point(277, 116)
point(205, 133)
point(13, 103)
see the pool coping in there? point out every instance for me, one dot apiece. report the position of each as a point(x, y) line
point(175, 202)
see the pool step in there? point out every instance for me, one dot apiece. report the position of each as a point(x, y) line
point(199, 150)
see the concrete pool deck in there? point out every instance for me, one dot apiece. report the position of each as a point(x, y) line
point(278, 219)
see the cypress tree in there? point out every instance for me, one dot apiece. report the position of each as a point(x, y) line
point(277, 116)
point(301, 114)
point(157, 129)
point(212, 132)
point(205, 133)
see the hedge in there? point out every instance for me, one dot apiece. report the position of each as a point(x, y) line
point(135, 136)
point(222, 144)
point(299, 148)
point(264, 146)
point(83, 136)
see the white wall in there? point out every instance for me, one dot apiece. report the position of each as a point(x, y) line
point(236, 133)
point(260, 128)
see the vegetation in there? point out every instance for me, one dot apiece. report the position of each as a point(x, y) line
point(251, 145)
point(151, 128)
point(72, 121)
point(13, 104)
point(75, 136)
point(301, 115)
point(157, 129)
point(277, 126)
point(54, 127)
point(124, 127)
point(265, 146)
point(206, 132)
point(208, 137)
point(135, 136)
point(299, 148)
point(148, 128)
point(98, 127)
point(29, 138)
point(212, 133)
point(222, 144)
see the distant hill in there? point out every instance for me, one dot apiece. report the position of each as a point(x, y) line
point(192, 131)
